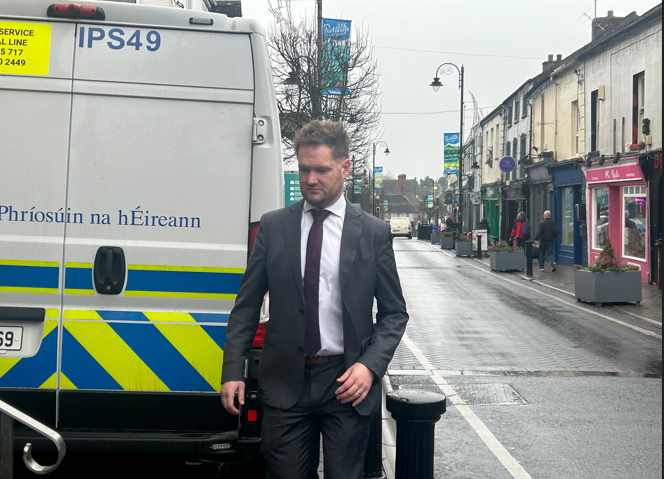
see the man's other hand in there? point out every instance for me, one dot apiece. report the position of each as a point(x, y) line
point(358, 379)
point(228, 391)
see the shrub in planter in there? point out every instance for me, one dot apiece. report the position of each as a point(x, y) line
point(464, 246)
point(608, 281)
point(504, 257)
point(447, 240)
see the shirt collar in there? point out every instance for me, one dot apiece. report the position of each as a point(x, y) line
point(338, 208)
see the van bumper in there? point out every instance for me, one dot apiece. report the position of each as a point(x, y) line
point(218, 447)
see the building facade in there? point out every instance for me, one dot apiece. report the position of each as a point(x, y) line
point(623, 97)
point(491, 129)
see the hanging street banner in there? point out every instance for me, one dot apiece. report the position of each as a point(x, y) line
point(378, 176)
point(336, 55)
point(451, 148)
point(292, 188)
point(430, 201)
point(385, 206)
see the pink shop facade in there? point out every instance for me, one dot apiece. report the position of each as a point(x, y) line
point(618, 199)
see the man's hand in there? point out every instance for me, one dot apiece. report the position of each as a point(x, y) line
point(357, 382)
point(228, 391)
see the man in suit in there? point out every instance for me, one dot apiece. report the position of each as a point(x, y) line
point(323, 261)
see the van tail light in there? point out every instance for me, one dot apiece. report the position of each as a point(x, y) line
point(259, 339)
point(74, 10)
point(252, 415)
point(253, 231)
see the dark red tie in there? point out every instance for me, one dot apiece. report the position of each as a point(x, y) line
point(311, 284)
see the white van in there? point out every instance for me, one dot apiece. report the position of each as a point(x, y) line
point(139, 147)
point(401, 227)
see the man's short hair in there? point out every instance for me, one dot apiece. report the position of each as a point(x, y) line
point(328, 133)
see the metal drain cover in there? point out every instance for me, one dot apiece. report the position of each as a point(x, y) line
point(489, 395)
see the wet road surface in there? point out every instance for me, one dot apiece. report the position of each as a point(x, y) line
point(543, 386)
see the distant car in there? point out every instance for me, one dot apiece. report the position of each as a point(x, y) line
point(640, 223)
point(400, 227)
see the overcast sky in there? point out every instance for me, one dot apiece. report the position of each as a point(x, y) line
point(483, 35)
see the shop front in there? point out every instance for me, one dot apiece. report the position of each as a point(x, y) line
point(540, 191)
point(618, 196)
point(514, 201)
point(491, 195)
point(569, 191)
point(651, 165)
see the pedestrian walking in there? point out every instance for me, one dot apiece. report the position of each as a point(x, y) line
point(521, 230)
point(547, 232)
point(323, 261)
point(484, 225)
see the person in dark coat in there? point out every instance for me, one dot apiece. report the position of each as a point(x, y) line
point(547, 232)
point(520, 230)
point(484, 225)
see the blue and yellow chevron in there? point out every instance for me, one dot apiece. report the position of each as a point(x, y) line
point(35, 277)
point(38, 371)
point(145, 352)
point(183, 282)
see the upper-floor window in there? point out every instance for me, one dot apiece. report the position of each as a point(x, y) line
point(524, 146)
point(594, 121)
point(576, 126)
point(517, 110)
point(638, 113)
point(510, 115)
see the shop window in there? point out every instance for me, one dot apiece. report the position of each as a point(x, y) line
point(568, 216)
point(638, 112)
point(635, 225)
point(600, 217)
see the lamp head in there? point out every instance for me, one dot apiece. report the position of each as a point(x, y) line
point(436, 85)
point(387, 152)
point(616, 158)
point(602, 159)
point(291, 80)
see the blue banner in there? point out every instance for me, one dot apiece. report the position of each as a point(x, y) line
point(336, 55)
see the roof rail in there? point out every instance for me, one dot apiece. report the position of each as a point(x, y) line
point(7, 416)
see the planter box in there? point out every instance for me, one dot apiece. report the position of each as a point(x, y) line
point(507, 260)
point(600, 288)
point(447, 242)
point(464, 249)
point(435, 237)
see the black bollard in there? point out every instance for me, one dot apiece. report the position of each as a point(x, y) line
point(416, 414)
point(373, 464)
point(529, 258)
point(479, 246)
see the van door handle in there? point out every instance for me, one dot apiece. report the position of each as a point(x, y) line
point(110, 270)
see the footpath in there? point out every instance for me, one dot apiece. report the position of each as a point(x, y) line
point(563, 281)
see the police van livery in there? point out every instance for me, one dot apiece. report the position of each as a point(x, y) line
point(139, 147)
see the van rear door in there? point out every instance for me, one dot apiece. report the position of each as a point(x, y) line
point(160, 172)
point(36, 58)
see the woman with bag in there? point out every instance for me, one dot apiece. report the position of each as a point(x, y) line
point(521, 231)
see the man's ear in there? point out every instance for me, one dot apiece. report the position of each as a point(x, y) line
point(345, 168)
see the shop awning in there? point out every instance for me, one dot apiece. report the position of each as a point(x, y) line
point(538, 173)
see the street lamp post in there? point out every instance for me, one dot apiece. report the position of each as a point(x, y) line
point(373, 174)
point(448, 69)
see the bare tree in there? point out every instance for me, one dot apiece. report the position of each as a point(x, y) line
point(304, 80)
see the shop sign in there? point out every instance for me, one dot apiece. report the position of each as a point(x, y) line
point(609, 175)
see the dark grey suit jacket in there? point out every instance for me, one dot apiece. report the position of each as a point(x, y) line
point(367, 270)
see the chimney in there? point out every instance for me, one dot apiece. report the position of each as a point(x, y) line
point(602, 25)
point(402, 184)
point(559, 58)
point(551, 62)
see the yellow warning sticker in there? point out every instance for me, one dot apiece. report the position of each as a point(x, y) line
point(25, 48)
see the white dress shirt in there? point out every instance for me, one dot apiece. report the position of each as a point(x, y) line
point(330, 313)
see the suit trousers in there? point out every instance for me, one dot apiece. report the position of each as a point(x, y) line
point(291, 438)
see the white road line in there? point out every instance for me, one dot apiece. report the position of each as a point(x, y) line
point(503, 455)
point(617, 321)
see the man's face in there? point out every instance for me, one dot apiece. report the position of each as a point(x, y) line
point(321, 176)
